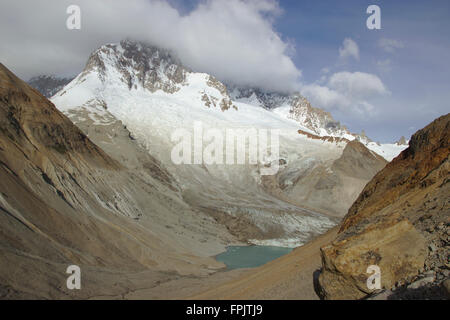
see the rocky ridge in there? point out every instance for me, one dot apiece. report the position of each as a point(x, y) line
point(400, 222)
point(318, 121)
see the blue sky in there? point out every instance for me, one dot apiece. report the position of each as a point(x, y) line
point(418, 75)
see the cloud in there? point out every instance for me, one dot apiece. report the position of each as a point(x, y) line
point(384, 65)
point(324, 97)
point(390, 45)
point(349, 49)
point(235, 40)
point(357, 84)
point(347, 92)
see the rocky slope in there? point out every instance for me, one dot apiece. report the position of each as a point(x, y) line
point(65, 201)
point(258, 97)
point(400, 222)
point(333, 188)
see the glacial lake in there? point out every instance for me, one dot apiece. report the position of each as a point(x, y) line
point(237, 257)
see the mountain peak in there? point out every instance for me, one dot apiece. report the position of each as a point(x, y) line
point(139, 65)
point(266, 99)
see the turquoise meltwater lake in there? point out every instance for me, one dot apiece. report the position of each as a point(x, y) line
point(237, 257)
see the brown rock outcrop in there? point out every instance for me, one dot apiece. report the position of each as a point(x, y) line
point(324, 138)
point(31, 122)
point(399, 222)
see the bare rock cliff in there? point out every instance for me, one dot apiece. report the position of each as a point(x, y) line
point(399, 223)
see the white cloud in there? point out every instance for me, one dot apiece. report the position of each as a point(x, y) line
point(234, 40)
point(324, 97)
point(347, 92)
point(357, 84)
point(390, 45)
point(349, 49)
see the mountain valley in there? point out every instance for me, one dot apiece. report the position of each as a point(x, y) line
point(88, 179)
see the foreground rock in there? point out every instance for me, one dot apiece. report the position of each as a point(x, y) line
point(399, 223)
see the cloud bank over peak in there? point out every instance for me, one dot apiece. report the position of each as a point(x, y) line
point(235, 40)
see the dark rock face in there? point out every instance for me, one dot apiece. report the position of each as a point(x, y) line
point(268, 100)
point(48, 86)
point(403, 215)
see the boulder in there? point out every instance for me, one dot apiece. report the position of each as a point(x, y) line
point(386, 245)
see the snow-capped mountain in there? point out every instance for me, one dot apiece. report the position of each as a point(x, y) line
point(311, 120)
point(148, 67)
point(291, 106)
point(151, 69)
point(150, 91)
point(48, 85)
